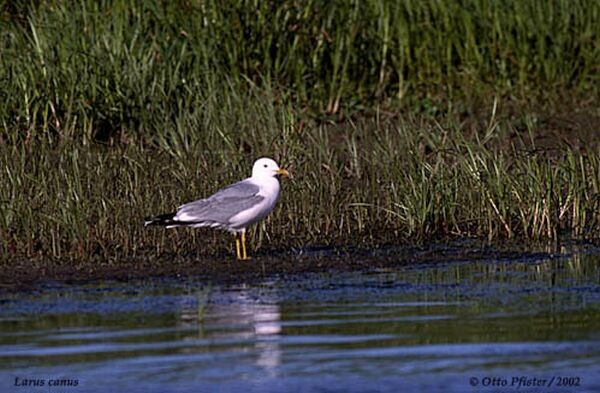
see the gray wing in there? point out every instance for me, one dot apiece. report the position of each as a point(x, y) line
point(221, 206)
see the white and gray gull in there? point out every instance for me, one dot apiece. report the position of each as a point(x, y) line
point(232, 208)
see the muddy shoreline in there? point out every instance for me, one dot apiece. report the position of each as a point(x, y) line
point(24, 274)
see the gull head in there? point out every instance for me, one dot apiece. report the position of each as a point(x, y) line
point(266, 167)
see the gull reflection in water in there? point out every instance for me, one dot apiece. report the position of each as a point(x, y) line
point(247, 317)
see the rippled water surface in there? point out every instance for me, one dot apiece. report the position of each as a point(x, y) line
point(466, 327)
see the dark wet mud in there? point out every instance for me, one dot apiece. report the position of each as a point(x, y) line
point(22, 273)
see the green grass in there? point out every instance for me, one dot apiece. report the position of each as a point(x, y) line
point(401, 121)
point(114, 65)
point(364, 182)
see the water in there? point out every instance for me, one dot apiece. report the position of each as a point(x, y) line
point(485, 326)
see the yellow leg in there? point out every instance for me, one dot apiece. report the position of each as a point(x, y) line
point(237, 247)
point(244, 254)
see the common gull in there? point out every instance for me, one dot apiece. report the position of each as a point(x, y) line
point(232, 208)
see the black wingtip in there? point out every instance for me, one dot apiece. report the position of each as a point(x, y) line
point(163, 220)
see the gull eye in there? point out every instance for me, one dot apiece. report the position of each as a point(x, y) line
point(265, 165)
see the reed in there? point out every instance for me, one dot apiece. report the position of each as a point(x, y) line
point(114, 110)
point(365, 182)
point(127, 66)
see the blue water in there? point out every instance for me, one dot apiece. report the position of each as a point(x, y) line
point(527, 325)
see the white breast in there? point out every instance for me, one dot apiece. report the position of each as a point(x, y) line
point(269, 189)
